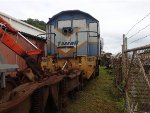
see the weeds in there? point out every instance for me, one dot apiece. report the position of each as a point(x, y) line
point(99, 96)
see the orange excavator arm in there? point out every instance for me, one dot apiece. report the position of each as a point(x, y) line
point(10, 42)
point(6, 38)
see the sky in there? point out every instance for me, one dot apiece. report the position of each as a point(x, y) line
point(116, 17)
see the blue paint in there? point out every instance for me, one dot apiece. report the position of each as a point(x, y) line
point(51, 51)
point(92, 50)
point(71, 15)
point(82, 50)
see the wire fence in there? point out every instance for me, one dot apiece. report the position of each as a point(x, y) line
point(117, 70)
point(136, 74)
point(132, 69)
point(147, 15)
point(139, 34)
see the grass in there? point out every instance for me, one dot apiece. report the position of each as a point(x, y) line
point(99, 96)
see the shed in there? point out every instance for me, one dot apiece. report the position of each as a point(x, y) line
point(7, 56)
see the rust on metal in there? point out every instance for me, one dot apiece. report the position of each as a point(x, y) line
point(22, 92)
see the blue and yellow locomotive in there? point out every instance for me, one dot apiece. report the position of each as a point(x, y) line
point(73, 42)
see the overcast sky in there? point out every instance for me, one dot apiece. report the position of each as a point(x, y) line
point(116, 17)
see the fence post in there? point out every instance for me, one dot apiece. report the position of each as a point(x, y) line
point(123, 59)
point(125, 70)
point(123, 62)
point(126, 59)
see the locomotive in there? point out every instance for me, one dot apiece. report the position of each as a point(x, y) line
point(73, 42)
point(71, 57)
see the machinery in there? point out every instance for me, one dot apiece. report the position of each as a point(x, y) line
point(6, 38)
point(72, 56)
point(25, 92)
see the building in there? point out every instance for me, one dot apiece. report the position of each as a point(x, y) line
point(7, 56)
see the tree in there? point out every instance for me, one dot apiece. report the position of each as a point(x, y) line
point(36, 23)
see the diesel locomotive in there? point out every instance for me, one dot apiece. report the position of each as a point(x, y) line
point(73, 42)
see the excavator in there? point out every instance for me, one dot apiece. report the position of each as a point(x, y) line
point(31, 96)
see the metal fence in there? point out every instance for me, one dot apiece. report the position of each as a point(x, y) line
point(117, 70)
point(136, 76)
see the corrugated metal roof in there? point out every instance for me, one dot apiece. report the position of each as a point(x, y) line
point(22, 26)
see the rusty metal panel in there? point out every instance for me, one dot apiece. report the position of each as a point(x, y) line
point(72, 83)
point(7, 54)
point(9, 57)
point(54, 91)
point(23, 92)
point(23, 107)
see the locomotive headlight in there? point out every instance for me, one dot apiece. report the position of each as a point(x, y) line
point(64, 30)
point(70, 30)
point(67, 30)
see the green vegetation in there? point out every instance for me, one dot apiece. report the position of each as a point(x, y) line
point(99, 96)
point(36, 23)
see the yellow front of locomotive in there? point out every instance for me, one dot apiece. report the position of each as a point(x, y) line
point(72, 43)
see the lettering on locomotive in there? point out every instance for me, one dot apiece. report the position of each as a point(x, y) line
point(67, 44)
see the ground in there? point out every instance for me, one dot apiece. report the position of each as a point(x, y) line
point(98, 96)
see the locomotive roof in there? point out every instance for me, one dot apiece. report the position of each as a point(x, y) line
point(73, 14)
